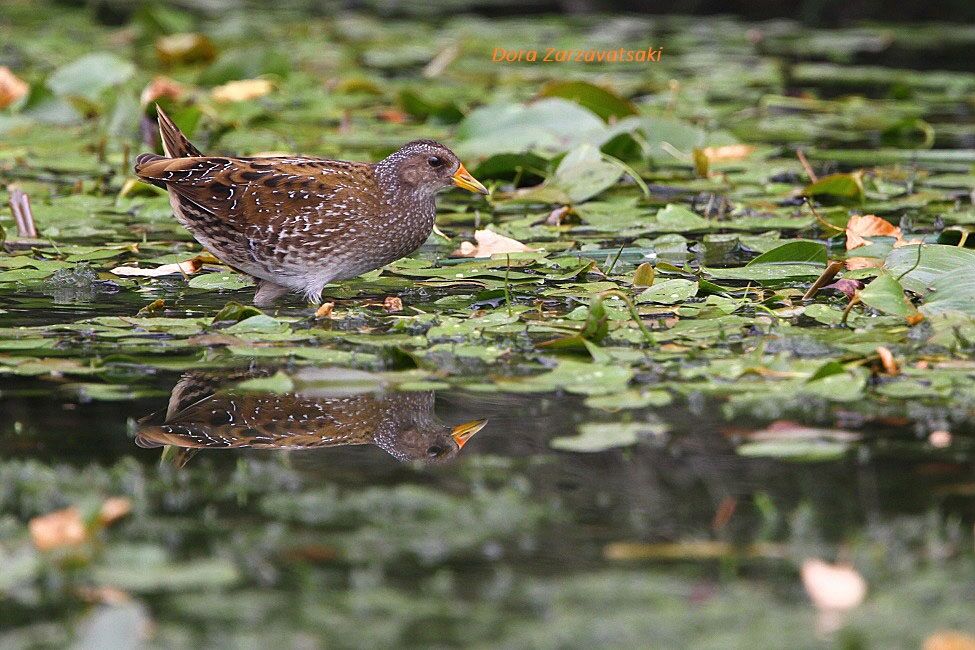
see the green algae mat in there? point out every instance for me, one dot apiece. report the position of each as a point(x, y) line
point(718, 308)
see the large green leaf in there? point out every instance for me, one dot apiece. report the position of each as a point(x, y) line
point(943, 275)
point(90, 75)
point(600, 101)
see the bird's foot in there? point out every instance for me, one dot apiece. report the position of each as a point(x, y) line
point(267, 293)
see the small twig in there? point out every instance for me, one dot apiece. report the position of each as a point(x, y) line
point(615, 260)
point(846, 312)
point(805, 165)
point(507, 290)
point(916, 263)
point(628, 171)
point(822, 221)
point(20, 207)
point(824, 279)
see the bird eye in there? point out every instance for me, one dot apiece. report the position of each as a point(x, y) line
point(435, 161)
point(434, 450)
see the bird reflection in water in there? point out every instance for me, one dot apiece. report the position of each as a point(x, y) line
point(352, 409)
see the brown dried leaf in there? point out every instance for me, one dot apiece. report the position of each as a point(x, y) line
point(490, 243)
point(833, 587)
point(858, 228)
point(12, 87)
point(58, 529)
point(393, 303)
point(241, 90)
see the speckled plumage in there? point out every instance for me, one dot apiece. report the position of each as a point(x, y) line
point(198, 417)
point(300, 223)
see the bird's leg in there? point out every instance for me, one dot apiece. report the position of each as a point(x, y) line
point(267, 293)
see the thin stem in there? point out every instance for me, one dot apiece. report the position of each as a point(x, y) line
point(633, 312)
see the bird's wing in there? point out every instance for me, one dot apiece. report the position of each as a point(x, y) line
point(269, 200)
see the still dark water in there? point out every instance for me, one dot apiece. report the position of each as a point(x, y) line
point(679, 537)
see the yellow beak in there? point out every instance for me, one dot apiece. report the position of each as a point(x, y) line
point(463, 432)
point(462, 178)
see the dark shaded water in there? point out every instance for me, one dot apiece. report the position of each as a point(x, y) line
point(680, 506)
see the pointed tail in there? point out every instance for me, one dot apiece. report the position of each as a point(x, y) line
point(174, 142)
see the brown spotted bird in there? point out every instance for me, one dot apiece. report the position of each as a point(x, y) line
point(202, 414)
point(297, 224)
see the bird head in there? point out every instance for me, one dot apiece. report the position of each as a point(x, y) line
point(431, 442)
point(427, 167)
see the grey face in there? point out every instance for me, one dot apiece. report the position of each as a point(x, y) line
point(425, 166)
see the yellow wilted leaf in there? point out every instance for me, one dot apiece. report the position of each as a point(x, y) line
point(241, 90)
point(185, 48)
point(728, 152)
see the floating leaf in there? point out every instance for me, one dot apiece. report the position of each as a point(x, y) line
point(943, 275)
point(90, 75)
point(840, 187)
point(600, 436)
point(600, 101)
point(794, 251)
point(886, 294)
point(669, 292)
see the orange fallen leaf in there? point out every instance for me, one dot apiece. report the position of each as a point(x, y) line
point(12, 87)
point(58, 529)
point(325, 311)
point(189, 267)
point(393, 116)
point(241, 90)
point(833, 587)
point(393, 303)
point(888, 361)
point(490, 243)
point(949, 640)
point(114, 509)
point(858, 228)
point(161, 87)
point(915, 318)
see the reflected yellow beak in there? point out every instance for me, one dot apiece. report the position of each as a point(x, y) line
point(462, 178)
point(464, 432)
